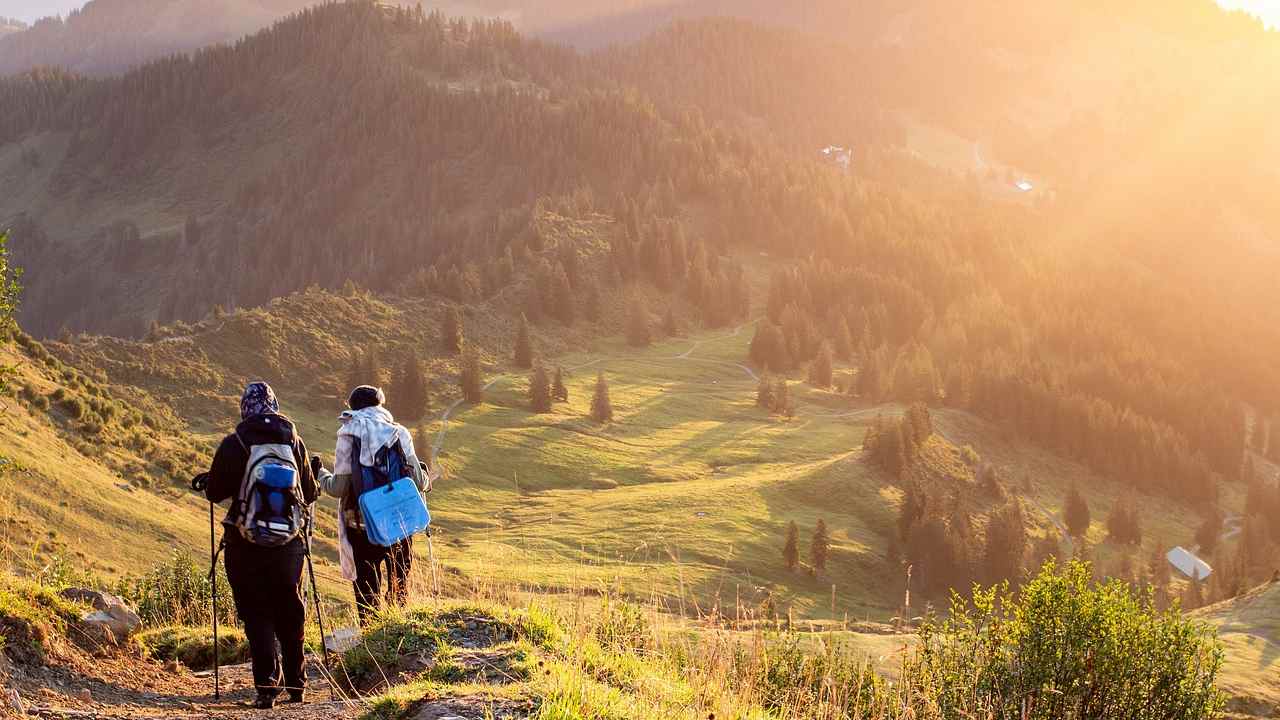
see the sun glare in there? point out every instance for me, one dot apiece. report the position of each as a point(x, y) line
point(1268, 10)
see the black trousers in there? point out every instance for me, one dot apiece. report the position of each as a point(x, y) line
point(373, 562)
point(267, 586)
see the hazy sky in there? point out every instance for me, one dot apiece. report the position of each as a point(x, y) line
point(1269, 10)
point(30, 10)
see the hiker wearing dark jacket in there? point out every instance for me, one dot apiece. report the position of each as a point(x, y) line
point(368, 425)
point(266, 582)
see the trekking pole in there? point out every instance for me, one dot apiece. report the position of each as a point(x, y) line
point(199, 483)
point(213, 585)
point(315, 595)
point(431, 556)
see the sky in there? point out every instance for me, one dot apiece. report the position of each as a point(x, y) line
point(1268, 10)
point(30, 10)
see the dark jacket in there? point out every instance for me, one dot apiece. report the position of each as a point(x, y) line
point(230, 460)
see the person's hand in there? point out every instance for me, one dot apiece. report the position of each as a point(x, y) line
point(317, 465)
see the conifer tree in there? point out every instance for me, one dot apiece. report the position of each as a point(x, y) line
point(820, 368)
point(791, 546)
point(1006, 543)
point(451, 331)
point(843, 340)
point(539, 390)
point(819, 547)
point(409, 391)
point(471, 380)
point(919, 423)
point(1193, 597)
point(669, 326)
point(594, 309)
point(562, 296)
point(524, 344)
point(1158, 567)
point(764, 393)
point(1209, 532)
point(559, 392)
point(1076, 513)
point(601, 407)
point(356, 375)
point(638, 334)
point(782, 404)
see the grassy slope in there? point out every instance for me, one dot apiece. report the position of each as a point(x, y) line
point(58, 500)
point(686, 496)
point(1249, 628)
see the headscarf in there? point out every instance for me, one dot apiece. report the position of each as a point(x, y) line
point(258, 399)
point(366, 396)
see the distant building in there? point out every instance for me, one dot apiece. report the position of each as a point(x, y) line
point(1188, 564)
point(838, 156)
point(1024, 185)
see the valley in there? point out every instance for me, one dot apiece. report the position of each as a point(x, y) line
point(729, 425)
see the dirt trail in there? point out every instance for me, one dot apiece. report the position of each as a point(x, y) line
point(128, 687)
point(75, 686)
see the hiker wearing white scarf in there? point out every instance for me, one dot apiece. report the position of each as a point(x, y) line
point(369, 423)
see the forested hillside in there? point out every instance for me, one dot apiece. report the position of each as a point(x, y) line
point(417, 155)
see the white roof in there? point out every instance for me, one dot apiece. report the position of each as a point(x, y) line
point(1188, 564)
point(1024, 185)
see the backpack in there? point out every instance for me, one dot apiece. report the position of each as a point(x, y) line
point(268, 509)
point(389, 502)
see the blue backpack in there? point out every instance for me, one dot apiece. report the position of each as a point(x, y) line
point(269, 507)
point(390, 504)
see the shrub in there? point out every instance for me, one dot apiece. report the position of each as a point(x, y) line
point(177, 593)
point(1067, 647)
point(74, 407)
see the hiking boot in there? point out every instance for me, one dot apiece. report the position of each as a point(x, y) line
point(295, 696)
point(265, 701)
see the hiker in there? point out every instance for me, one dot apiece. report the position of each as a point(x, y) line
point(367, 424)
point(263, 538)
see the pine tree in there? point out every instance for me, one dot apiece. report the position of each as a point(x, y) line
point(422, 444)
point(782, 399)
point(791, 546)
point(820, 368)
point(638, 334)
point(524, 344)
point(843, 340)
point(356, 375)
point(764, 393)
point(1209, 532)
point(1076, 513)
point(451, 331)
point(472, 381)
point(1158, 567)
point(409, 391)
point(819, 547)
point(539, 390)
point(559, 392)
point(562, 296)
point(594, 302)
point(1006, 543)
point(601, 408)
point(669, 326)
point(1193, 597)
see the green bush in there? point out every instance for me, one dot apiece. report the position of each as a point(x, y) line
point(1066, 647)
point(177, 593)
